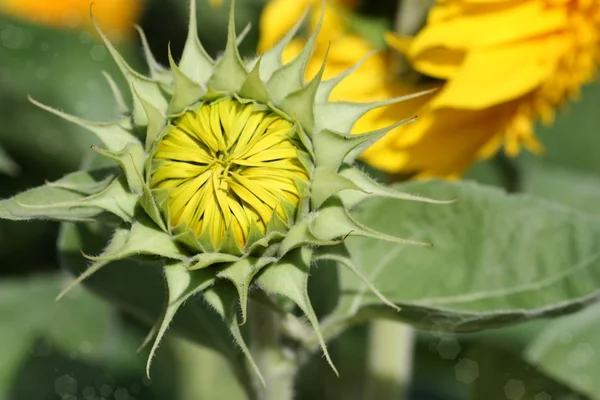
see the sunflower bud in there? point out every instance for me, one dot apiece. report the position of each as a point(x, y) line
point(244, 170)
point(230, 168)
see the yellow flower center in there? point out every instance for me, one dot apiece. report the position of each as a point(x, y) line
point(229, 166)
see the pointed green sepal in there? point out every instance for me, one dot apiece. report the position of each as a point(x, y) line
point(290, 78)
point(148, 88)
point(117, 241)
point(326, 183)
point(326, 87)
point(131, 161)
point(333, 221)
point(80, 196)
point(195, 61)
point(289, 278)
point(114, 135)
point(148, 202)
point(242, 35)
point(271, 60)
point(155, 120)
point(370, 188)
point(333, 148)
point(204, 260)
point(120, 104)
point(186, 237)
point(229, 244)
point(181, 285)
point(157, 71)
point(145, 239)
point(240, 274)
point(230, 72)
point(301, 104)
point(300, 235)
point(341, 116)
point(340, 255)
point(222, 297)
point(254, 87)
point(187, 92)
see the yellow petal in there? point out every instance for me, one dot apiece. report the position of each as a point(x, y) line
point(500, 74)
point(441, 44)
point(277, 18)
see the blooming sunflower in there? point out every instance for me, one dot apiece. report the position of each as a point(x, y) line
point(339, 49)
point(115, 16)
point(505, 64)
point(232, 173)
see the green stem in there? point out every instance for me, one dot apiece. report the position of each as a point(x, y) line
point(410, 16)
point(389, 365)
point(277, 366)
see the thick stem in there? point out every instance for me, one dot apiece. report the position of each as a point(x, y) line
point(389, 365)
point(277, 366)
point(410, 16)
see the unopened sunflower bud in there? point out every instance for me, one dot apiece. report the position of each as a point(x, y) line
point(244, 170)
point(229, 166)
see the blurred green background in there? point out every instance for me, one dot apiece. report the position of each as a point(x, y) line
point(85, 348)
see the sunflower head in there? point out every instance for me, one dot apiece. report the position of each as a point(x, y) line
point(233, 173)
point(242, 170)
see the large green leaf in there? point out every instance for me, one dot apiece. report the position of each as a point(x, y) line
point(496, 260)
point(52, 349)
point(569, 350)
point(574, 188)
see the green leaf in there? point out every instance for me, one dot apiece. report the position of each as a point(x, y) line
point(496, 260)
point(497, 374)
point(81, 336)
point(78, 196)
point(574, 188)
point(568, 349)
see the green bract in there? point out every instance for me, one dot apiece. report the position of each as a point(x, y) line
point(277, 258)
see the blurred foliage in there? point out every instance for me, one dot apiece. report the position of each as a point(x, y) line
point(84, 346)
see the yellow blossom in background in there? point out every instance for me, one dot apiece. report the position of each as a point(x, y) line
point(116, 17)
point(370, 82)
point(505, 64)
